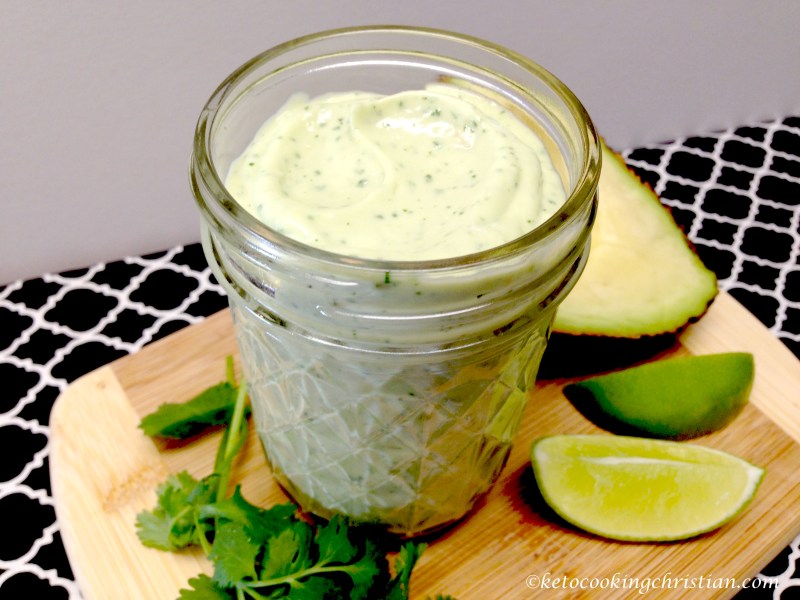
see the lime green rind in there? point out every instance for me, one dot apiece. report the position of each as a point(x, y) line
point(641, 490)
point(677, 398)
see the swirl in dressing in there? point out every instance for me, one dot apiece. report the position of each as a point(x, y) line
point(418, 175)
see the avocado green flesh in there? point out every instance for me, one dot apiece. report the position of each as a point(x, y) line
point(642, 277)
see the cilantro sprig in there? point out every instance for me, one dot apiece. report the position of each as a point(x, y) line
point(182, 420)
point(258, 553)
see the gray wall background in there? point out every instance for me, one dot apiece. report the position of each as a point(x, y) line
point(98, 100)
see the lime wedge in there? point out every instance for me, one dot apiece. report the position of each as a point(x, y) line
point(675, 398)
point(638, 489)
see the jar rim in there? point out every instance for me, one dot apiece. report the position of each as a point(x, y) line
point(229, 213)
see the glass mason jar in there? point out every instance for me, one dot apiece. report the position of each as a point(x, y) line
point(391, 391)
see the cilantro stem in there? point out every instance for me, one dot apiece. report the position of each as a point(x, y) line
point(252, 593)
point(201, 534)
point(292, 577)
point(232, 442)
point(230, 376)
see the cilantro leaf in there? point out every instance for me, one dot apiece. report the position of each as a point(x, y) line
point(288, 555)
point(213, 406)
point(261, 524)
point(355, 555)
point(300, 559)
point(174, 522)
point(367, 571)
point(334, 542)
point(406, 559)
point(234, 555)
point(204, 588)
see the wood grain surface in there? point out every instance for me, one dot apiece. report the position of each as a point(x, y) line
point(104, 471)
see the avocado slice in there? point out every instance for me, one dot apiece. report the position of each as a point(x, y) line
point(643, 277)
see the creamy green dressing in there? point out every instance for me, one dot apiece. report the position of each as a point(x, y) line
point(418, 175)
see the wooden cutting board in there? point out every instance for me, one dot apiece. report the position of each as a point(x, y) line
point(104, 471)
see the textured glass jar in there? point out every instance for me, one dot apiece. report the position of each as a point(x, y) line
point(391, 392)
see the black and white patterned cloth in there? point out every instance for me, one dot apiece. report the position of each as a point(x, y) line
point(735, 192)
